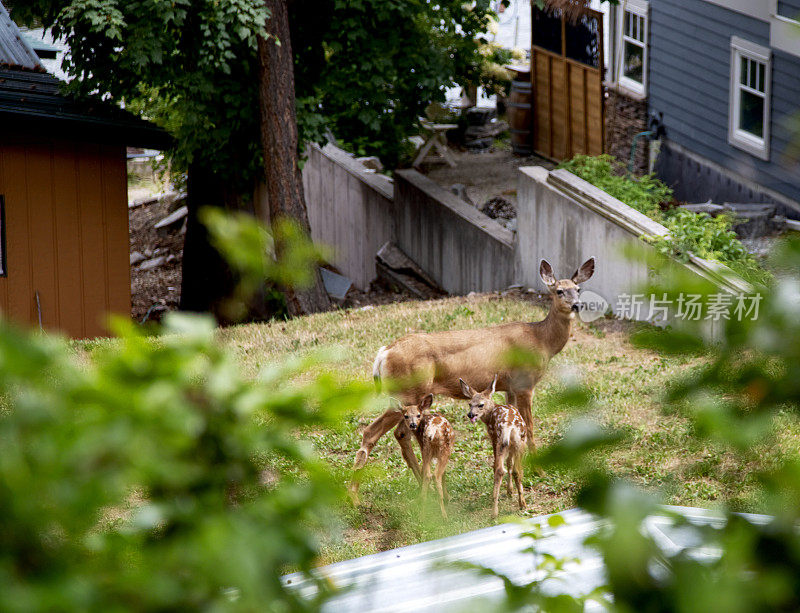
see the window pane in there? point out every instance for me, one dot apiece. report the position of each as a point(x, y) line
point(633, 62)
point(628, 23)
point(761, 71)
point(751, 113)
point(743, 72)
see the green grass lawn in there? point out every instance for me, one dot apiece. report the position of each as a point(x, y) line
point(627, 384)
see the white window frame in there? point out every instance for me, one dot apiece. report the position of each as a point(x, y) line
point(639, 8)
point(741, 48)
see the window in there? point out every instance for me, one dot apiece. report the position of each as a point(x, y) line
point(749, 98)
point(633, 47)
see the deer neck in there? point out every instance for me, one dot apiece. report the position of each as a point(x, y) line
point(555, 328)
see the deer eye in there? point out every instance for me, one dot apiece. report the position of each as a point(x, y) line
point(560, 292)
point(480, 406)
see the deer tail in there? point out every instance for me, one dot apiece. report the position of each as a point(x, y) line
point(506, 436)
point(377, 366)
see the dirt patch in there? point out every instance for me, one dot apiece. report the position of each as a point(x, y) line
point(157, 289)
point(485, 175)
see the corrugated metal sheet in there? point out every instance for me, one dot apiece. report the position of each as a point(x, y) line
point(413, 578)
point(14, 49)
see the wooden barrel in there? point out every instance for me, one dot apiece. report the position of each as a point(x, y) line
point(520, 118)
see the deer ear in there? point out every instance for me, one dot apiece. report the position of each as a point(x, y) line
point(426, 402)
point(546, 273)
point(494, 384)
point(584, 273)
point(466, 389)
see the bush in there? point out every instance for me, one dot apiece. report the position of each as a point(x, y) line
point(147, 475)
point(707, 237)
point(645, 194)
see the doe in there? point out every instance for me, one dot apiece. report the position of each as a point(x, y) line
point(507, 432)
point(435, 436)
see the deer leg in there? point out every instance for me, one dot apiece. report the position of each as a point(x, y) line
point(509, 470)
point(441, 466)
point(518, 479)
point(426, 473)
point(522, 400)
point(404, 437)
point(499, 471)
point(372, 433)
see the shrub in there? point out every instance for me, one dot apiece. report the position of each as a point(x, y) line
point(147, 476)
point(698, 233)
point(645, 194)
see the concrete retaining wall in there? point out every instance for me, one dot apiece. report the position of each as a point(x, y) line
point(355, 212)
point(566, 220)
point(463, 249)
point(561, 218)
point(350, 210)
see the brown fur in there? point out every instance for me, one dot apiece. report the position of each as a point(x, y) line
point(506, 431)
point(431, 363)
point(436, 438)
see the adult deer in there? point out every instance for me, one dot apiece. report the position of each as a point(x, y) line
point(432, 363)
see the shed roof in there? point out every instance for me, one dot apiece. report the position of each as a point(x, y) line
point(417, 578)
point(32, 101)
point(15, 50)
point(36, 101)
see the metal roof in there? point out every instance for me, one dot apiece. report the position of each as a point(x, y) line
point(15, 50)
point(31, 100)
point(414, 579)
point(34, 101)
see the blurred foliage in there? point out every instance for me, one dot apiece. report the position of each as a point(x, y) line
point(700, 234)
point(750, 381)
point(494, 77)
point(263, 260)
point(150, 474)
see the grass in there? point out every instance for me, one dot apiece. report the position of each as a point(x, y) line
point(626, 382)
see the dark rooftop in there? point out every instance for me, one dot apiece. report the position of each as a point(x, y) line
point(32, 101)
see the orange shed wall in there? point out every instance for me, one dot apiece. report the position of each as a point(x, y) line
point(66, 219)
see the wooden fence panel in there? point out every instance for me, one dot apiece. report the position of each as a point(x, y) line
point(567, 93)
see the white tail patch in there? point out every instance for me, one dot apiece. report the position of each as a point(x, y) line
point(506, 435)
point(377, 365)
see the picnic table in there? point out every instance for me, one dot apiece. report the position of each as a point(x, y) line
point(437, 141)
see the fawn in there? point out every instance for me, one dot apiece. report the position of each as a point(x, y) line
point(432, 362)
point(435, 436)
point(507, 431)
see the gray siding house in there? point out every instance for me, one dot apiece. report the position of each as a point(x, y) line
point(723, 78)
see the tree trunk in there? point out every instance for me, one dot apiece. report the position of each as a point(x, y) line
point(207, 281)
point(206, 278)
point(279, 142)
